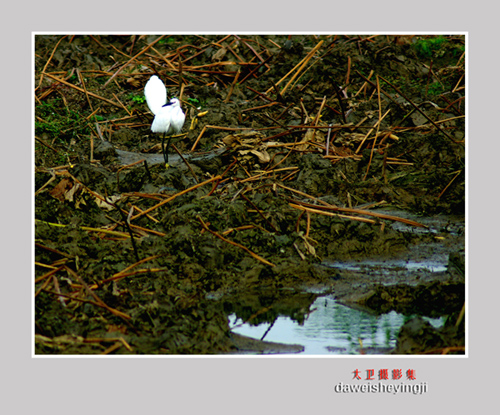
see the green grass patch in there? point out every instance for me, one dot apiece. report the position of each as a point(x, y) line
point(59, 122)
point(428, 47)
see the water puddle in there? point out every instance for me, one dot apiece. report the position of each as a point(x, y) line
point(316, 324)
point(331, 329)
point(438, 264)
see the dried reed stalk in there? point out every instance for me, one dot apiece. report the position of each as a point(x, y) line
point(175, 196)
point(257, 257)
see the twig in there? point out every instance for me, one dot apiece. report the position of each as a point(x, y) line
point(235, 80)
point(260, 213)
point(304, 194)
point(257, 257)
point(145, 230)
point(48, 61)
point(257, 176)
point(376, 134)
point(167, 61)
point(359, 212)
point(55, 251)
point(62, 81)
point(124, 271)
point(363, 87)
point(254, 51)
point(218, 128)
point(109, 339)
point(341, 103)
point(381, 90)
point(186, 162)
point(127, 225)
point(460, 316)
point(98, 301)
point(419, 110)
point(48, 274)
point(175, 196)
point(252, 72)
point(371, 129)
point(328, 140)
point(458, 83)
point(82, 81)
point(300, 67)
point(449, 184)
point(86, 228)
point(44, 286)
point(133, 58)
point(318, 116)
point(261, 107)
point(121, 275)
point(46, 145)
point(446, 350)
point(322, 212)
point(348, 70)
point(123, 106)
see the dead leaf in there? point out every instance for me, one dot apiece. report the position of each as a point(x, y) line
point(60, 189)
point(133, 82)
point(302, 256)
point(231, 140)
point(263, 155)
point(69, 195)
point(103, 204)
point(217, 56)
point(309, 248)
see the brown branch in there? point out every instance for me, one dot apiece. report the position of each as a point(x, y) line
point(449, 184)
point(300, 67)
point(133, 58)
point(304, 194)
point(376, 134)
point(235, 80)
point(175, 196)
point(322, 212)
point(62, 81)
point(359, 212)
point(419, 110)
point(122, 275)
point(260, 213)
point(82, 81)
point(98, 301)
point(371, 129)
point(48, 61)
point(218, 128)
point(186, 163)
point(257, 257)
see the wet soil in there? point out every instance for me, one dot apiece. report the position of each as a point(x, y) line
point(297, 154)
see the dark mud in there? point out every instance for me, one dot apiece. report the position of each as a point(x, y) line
point(136, 258)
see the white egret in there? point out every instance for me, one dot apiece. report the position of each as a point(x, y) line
point(169, 117)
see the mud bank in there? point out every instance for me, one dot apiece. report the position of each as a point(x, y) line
point(297, 155)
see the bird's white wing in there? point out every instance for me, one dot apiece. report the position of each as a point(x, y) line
point(162, 121)
point(177, 120)
point(156, 94)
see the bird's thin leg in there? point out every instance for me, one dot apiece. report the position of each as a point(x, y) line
point(166, 152)
point(165, 158)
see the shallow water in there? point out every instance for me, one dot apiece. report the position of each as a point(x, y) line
point(436, 264)
point(332, 329)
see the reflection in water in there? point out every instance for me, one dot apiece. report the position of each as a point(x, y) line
point(332, 328)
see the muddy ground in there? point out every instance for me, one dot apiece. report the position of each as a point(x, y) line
point(297, 153)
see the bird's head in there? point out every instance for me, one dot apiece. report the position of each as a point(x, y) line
point(174, 102)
